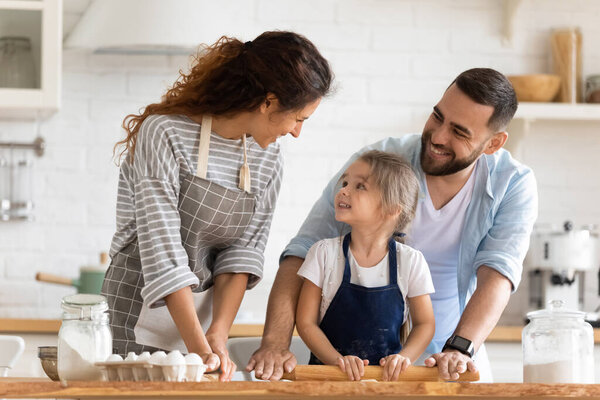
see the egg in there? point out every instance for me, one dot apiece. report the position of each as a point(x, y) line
point(114, 357)
point(174, 358)
point(193, 359)
point(157, 357)
point(131, 356)
point(195, 368)
point(145, 356)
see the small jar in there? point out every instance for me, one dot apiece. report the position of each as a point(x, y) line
point(84, 337)
point(17, 69)
point(558, 346)
point(592, 89)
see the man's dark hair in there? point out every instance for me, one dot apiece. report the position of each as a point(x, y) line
point(490, 88)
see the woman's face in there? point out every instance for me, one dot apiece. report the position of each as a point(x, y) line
point(271, 124)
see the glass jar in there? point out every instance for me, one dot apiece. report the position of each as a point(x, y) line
point(558, 346)
point(592, 89)
point(17, 69)
point(84, 337)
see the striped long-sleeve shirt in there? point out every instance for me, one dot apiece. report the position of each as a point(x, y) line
point(147, 203)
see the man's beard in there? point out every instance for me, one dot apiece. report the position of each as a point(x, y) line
point(451, 166)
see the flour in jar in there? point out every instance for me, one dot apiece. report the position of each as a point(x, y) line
point(76, 358)
point(564, 371)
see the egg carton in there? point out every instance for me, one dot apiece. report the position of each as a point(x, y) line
point(157, 366)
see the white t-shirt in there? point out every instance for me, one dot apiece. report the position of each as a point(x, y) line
point(324, 266)
point(437, 234)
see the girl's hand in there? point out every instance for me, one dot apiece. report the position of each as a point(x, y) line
point(218, 346)
point(353, 366)
point(393, 365)
point(211, 360)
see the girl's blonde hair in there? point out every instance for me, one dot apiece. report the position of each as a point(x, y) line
point(398, 184)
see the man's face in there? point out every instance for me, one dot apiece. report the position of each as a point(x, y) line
point(455, 135)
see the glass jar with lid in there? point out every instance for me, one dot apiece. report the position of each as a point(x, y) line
point(17, 69)
point(558, 346)
point(84, 337)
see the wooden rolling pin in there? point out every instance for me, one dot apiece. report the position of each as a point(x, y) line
point(334, 373)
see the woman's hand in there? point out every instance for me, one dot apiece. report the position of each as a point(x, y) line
point(218, 344)
point(353, 366)
point(211, 360)
point(393, 365)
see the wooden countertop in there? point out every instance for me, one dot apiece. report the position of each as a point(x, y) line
point(38, 388)
point(499, 334)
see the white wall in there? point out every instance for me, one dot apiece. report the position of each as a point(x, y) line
point(392, 60)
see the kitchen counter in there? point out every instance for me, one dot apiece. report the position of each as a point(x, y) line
point(499, 334)
point(39, 388)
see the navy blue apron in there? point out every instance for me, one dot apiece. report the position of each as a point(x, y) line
point(365, 322)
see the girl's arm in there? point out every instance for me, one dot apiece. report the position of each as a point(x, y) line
point(228, 293)
point(307, 317)
point(423, 327)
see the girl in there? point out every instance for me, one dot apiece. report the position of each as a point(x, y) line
point(353, 302)
point(198, 184)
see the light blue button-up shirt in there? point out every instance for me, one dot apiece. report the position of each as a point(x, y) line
point(498, 221)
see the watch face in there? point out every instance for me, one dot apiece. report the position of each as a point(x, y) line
point(461, 342)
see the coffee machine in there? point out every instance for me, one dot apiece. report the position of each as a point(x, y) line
point(556, 264)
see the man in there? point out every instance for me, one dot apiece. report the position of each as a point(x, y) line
point(474, 218)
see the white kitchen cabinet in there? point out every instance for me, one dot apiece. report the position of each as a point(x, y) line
point(41, 22)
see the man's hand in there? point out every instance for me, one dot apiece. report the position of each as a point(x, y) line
point(450, 364)
point(269, 362)
point(393, 365)
point(219, 347)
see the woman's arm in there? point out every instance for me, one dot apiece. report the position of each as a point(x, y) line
point(423, 327)
point(181, 307)
point(228, 293)
point(307, 317)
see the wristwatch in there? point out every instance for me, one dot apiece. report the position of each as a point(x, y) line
point(459, 343)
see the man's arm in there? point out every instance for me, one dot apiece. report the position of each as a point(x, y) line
point(500, 259)
point(274, 356)
point(477, 321)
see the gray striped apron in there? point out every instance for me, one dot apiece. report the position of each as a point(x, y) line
point(213, 217)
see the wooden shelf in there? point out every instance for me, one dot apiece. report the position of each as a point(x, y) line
point(558, 111)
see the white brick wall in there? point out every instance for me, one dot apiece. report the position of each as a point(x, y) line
point(392, 60)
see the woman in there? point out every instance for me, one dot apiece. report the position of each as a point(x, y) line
point(197, 189)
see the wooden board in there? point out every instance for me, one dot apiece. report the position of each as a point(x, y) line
point(292, 390)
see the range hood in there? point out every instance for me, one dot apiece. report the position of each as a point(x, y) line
point(159, 26)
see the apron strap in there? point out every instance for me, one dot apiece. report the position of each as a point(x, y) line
point(393, 263)
point(205, 130)
point(345, 246)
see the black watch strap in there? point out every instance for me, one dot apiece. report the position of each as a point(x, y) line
point(461, 344)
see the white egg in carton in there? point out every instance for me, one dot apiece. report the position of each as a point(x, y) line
point(159, 366)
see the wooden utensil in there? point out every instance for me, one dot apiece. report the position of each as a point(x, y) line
point(334, 373)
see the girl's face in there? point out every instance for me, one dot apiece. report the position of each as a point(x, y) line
point(272, 124)
point(358, 201)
